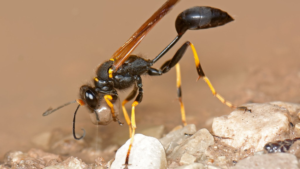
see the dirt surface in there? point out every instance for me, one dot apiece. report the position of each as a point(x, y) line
point(49, 49)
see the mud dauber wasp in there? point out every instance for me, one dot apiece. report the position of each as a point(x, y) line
point(124, 70)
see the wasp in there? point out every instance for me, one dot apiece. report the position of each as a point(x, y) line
point(124, 69)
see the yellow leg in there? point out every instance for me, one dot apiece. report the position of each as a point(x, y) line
point(128, 98)
point(126, 116)
point(108, 99)
point(133, 125)
point(179, 94)
point(202, 75)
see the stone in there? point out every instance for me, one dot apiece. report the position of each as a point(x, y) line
point(295, 149)
point(187, 159)
point(222, 159)
point(297, 130)
point(223, 155)
point(122, 135)
point(195, 145)
point(177, 134)
point(146, 152)
point(268, 161)
point(252, 130)
point(71, 162)
point(34, 158)
point(293, 108)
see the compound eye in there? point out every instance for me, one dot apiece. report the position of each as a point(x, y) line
point(89, 95)
point(91, 98)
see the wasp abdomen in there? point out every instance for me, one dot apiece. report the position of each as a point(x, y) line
point(201, 17)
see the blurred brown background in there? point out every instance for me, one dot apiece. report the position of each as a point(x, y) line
point(48, 49)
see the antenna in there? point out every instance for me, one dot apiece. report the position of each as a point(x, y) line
point(74, 135)
point(80, 102)
point(50, 110)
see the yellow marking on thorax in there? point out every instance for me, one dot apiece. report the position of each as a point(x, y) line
point(110, 73)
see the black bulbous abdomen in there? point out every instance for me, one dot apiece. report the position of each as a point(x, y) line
point(201, 17)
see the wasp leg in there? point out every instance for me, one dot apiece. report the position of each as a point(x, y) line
point(176, 58)
point(165, 68)
point(108, 99)
point(128, 98)
point(155, 72)
point(199, 71)
point(179, 94)
point(138, 100)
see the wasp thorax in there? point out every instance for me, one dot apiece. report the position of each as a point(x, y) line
point(103, 85)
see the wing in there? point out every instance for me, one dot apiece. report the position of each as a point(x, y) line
point(121, 55)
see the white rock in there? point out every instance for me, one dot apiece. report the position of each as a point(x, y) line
point(195, 145)
point(268, 161)
point(146, 152)
point(297, 126)
point(222, 159)
point(293, 108)
point(177, 135)
point(187, 159)
point(252, 130)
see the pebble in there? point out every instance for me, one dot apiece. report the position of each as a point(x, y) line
point(34, 158)
point(195, 145)
point(69, 163)
point(187, 159)
point(252, 130)
point(122, 135)
point(147, 152)
point(268, 161)
point(177, 135)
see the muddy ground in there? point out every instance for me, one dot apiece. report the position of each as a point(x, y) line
point(49, 49)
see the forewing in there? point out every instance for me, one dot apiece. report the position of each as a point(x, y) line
point(126, 49)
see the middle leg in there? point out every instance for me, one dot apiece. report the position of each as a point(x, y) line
point(128, 98)
point(138, 100)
